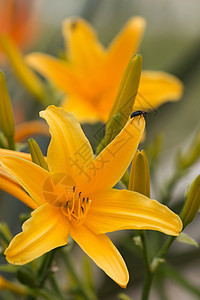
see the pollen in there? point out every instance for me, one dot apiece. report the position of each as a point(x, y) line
point(76, 207)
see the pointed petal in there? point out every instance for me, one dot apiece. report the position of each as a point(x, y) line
point(123, 47)
point(47, 229)
point(157, 88)
point(109, 166)
point(81, 109)
point(26, 156)
point(61, 73)
point(30, 176)
point(113, 210)
point(82, 46)
point(12, 187)
point(102, 251)
point(68, 145)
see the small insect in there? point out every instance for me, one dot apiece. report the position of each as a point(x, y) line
point(138, 113)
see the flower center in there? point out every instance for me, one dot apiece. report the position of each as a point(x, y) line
point(76, 207)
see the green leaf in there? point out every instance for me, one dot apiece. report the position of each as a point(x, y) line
point(186, 239)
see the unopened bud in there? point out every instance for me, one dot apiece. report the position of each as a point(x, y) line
point(139, 175)
point(192, 204)
point(6, 114)
point(36, 154)
point(124, 101)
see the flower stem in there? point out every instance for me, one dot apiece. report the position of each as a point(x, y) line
point(44, 269)
point(147, 284)
point(86, 293)
point(149, 272)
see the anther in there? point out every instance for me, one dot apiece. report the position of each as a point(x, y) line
point(83, 200)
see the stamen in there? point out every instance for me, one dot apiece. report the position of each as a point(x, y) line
point(76, 207)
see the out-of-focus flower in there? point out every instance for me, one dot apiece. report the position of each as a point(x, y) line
point(19, 20)
point(75, 197)
point(91, 74)
point(9, 286)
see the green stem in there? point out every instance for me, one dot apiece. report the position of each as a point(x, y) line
point(165, 247)
point(49, 295)
point(150, 273)
point(56, 287)
point(147, 284)
point(44, 269)
point(86, 293)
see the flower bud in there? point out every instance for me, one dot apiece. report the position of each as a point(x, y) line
point(124, 101)
point(36, 154)
point(192, 204)
point(139, 175)
point(6, 114)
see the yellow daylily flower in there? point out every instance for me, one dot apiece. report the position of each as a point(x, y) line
point(19, 20)
point(75, 197)
point(91, 75)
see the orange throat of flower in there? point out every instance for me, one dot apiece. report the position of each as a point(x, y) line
point(76, 207)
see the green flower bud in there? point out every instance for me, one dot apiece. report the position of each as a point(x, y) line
point(192, 204)
point(36, 154)
point(6, 115)
point(124, 101)
point(139, 175)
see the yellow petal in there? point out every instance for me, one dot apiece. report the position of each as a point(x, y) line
point(26, 156)
point(29, 175)
point(157, 88)
point(109, 166)
point(113, 210)
point(10, 186)
point(47, 229)
point(82, 110)
point(69, 150)
point(123, 47)
point(82, 46)
point(61, 73)
point(102, 251)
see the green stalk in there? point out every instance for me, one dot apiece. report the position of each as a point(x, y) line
point(83, 289)
point(150, 272)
